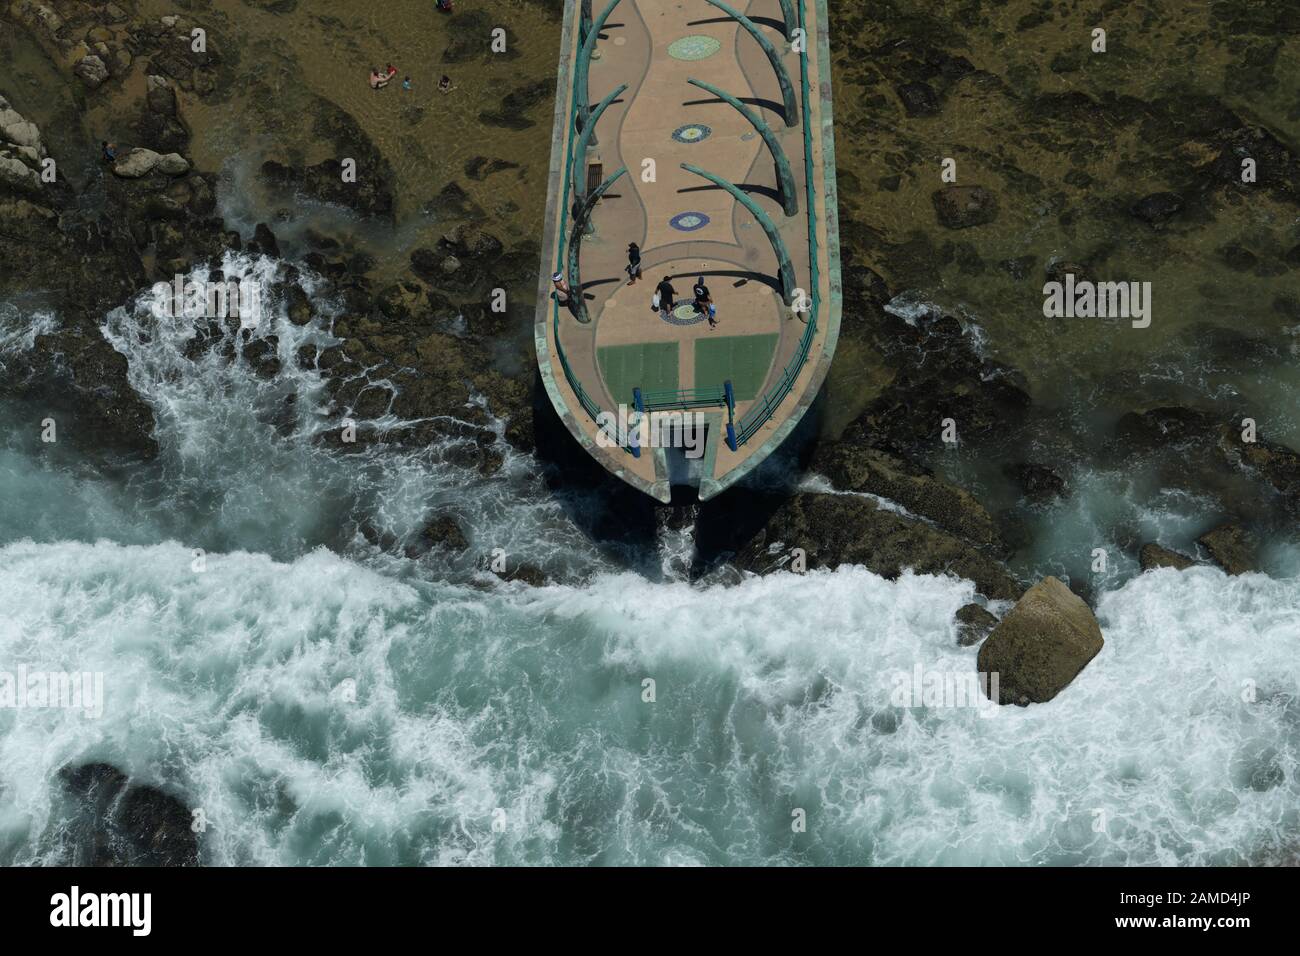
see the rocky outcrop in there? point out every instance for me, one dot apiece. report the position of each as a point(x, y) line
point(960, 207)
point(1231, 547)
point(1154, 556)
point(21, 152)
point(443, 532)
point(938, 375)
point(91, 70)
point(1038, 483)
point(973, 624)
point(834, 530)
point(1157, 208)
point(1041, 645)
point(123, 823)
point(853, 466)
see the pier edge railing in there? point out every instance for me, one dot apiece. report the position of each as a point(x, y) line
point(763, 408)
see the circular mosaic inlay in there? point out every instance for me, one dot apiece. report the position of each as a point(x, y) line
point(689, 221)
point(683, 314)
point(692, 133)
point(695, 47)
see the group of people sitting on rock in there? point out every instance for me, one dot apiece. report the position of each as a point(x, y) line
point(381, 78)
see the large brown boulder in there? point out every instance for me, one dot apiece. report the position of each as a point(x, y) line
point(1041, 644)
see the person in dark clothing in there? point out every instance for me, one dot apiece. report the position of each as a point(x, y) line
point(704, 301)
point(633, 268)
point(109, 150)
point(667, 295)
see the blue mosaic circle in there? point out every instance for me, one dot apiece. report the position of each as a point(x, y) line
point(692, 133)
point(684, 313)
point(688, 221)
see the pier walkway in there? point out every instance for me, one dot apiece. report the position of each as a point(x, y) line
point(701, 132)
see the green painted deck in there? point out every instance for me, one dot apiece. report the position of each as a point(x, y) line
point(743, 360)
point(647, 366)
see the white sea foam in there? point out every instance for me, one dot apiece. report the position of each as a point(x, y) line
point(769, 696)
point(20, 328)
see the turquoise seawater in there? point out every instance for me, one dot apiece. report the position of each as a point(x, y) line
point(324, 701)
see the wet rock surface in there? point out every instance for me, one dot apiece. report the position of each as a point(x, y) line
point(1231, 547)
point(974, 624)
point(834, 530)
point(120, 822)
point(1041, 644)
point(1154, 556)
point(856, 467)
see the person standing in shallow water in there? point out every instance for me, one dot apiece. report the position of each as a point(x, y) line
point(633, 263)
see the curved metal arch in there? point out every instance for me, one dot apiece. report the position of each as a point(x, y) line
point(584, 141)
point(582, 69)
point(577, 301)
point(785, 268)
point(782, 77)
point(787, 14)
point(784, 176)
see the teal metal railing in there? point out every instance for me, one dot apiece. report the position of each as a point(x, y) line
point(589, 404)
point(766, 405)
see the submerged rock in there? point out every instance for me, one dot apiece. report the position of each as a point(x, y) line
point(1041, 645)
point(960, 207)
point(1231, 547)
point(974, 624)
point(1168, 425)
point(443, 531)
point(1153, 556)
point(1038, 482)
point(918, 99)
point(125, 823)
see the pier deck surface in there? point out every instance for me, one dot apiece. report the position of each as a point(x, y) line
point(688, 227)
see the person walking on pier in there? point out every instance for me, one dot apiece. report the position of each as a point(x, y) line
point(704, 302)
point(666, 293)
point(633, 263)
